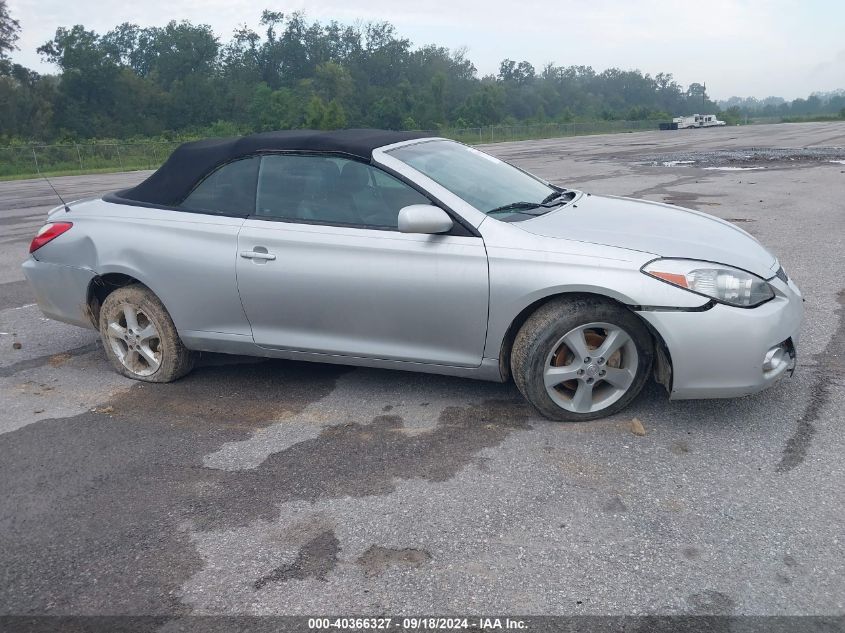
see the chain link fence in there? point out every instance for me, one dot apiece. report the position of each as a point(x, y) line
point(27, 160)
point(82, 158)
point(506, 133)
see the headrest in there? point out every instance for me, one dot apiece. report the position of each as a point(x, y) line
point(354, 176)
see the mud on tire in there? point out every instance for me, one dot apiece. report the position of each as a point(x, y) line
point(139, 337)
point(588, 325)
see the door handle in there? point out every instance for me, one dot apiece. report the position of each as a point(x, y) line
point(257, 255)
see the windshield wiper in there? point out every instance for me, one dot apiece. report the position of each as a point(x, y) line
point(558, 193)
point(546, 203)
point(516, 206)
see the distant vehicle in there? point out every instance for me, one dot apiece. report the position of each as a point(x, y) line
point(401, 251)
point(696, 120)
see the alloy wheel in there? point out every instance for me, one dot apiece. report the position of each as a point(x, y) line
point(135, 340)
point(591, 367)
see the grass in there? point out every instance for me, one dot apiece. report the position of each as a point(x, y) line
point(70, 172)
point(820, 118)
point(17, 163)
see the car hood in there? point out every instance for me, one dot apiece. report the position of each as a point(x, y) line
point(656, 228)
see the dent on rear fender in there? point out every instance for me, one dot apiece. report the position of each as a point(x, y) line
point(74, 248)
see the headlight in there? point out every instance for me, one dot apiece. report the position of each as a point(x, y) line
point(723, 283)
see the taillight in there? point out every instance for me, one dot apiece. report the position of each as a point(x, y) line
point(48, 233)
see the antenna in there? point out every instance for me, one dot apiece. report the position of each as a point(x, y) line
point(38, 170)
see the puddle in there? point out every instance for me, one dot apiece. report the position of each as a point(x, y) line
point(744, 159)
point(734, 168)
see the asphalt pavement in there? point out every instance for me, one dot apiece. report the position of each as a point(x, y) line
point(275, 487)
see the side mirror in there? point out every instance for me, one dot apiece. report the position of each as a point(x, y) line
point(424, 218)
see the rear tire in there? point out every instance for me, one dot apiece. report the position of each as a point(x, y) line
point(578, 359)
point(139, 337)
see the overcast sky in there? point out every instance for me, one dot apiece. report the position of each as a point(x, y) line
point(758, 48)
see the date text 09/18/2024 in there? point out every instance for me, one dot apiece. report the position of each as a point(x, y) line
point(416, 624)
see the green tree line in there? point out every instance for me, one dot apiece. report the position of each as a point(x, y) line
point(182, 78)
point(819, 103)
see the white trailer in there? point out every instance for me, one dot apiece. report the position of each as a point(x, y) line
point(708, 120)
point(697, 120)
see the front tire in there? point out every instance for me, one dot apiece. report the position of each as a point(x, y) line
point(578, 359)
point(139, 337)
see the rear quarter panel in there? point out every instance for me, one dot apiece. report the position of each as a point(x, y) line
point(186, 259)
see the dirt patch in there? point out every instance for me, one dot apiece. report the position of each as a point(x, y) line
point(690, 552)
point(376, 559)
point(57, 360)
point(41, 361)
point(680, 447)
point(615, 506)
point(712, 603)
point(315, 560)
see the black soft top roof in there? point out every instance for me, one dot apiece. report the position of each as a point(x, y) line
point(191, 162)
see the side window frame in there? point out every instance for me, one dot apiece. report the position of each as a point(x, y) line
point(233, 214)
point(343, 156)
point(460, 227)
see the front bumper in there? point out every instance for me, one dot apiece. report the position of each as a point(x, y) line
point(61, 291)
point(720, 352)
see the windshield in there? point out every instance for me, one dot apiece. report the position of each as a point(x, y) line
point(485, 182)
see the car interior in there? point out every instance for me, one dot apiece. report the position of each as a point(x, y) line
point(320, 189)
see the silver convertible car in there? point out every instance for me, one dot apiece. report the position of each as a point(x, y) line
point(396, 250)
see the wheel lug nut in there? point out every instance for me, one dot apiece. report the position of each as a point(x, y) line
point(602, 372)
point(601, 360)
point(589, 380)
point(586, 359)
point(580, 372)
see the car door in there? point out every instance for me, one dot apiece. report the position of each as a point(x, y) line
point(187, 254)
point(322, 268)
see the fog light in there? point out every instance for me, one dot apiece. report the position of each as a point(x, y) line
point(774, 358)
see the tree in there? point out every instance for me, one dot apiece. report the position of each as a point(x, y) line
point(334, 117)
point(732, 115)
point(181, 79)
point(438, 96)
point(180, 50)
point(9, 33)
point(87, 91)
point(483, 107)
point(322, 116)
point(333, 81)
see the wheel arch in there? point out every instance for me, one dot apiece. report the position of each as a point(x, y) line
point(103, 284)
point(662, 355)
